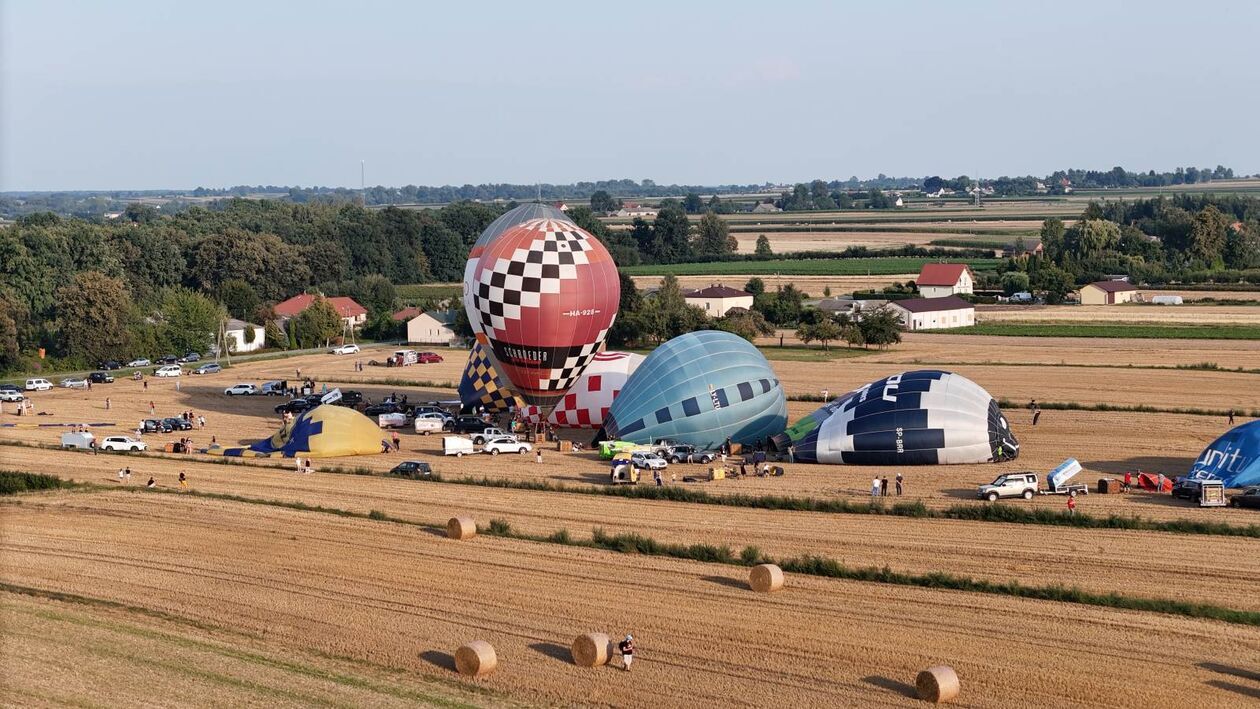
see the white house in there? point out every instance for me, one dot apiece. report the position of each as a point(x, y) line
point(934, 313)
point(630, 209)
point(432, 328)
point(717, 299)
point(243, 337)
point(938, 280)
point(765, 208)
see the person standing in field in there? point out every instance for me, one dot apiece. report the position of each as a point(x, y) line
point(152, 408)
point(121, 478)
point(127, 475)
point(899, 481)
point(1071, 504)
point(875, 487)
point(394, 438)
point(1128, 480)
point(1231, 417)
point(1036, 415)
point(183, 480)
point(627, 652)
point(107, 403)
point(883, 487)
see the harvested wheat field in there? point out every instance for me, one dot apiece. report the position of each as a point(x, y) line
point(247, 602)
point(1135, 313)
point(1103, 561)
point(791, 241)
point(392, 597)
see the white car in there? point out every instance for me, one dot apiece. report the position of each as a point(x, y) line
point(650, 461)
point(140, 362)
point(170, 370)
point(11, 395)
point(122, 443)
point(241, 390)
point(505, 444)
point(74, 383)
point(38, 385)
point(485, 436)
point(345, 349)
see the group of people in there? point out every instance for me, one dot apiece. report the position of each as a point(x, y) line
point(879, 486)
point(124, 478)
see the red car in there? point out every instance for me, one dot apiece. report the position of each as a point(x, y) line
point(428, 357)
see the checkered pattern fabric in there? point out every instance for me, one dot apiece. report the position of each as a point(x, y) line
point(504, 287)
point(482, 386)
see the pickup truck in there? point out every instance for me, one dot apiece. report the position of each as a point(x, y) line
point(1009, 485)
point(481, 438)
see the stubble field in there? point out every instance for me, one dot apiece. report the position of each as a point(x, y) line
point(247, 602)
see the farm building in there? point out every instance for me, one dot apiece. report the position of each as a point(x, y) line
point(352, 314)
point(934, 313)
point(242, 336)
point(937, 280)
point(847, 305)
point(717, 299)
point(631, 209)
point(765, 208)
point(1024, 247)
point(432, 328)
point(1107, 293)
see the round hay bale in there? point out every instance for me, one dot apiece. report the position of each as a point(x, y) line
point(476, 659)
point(937, 684)
point(461, 528)
point(591, 650)
point(765, 578)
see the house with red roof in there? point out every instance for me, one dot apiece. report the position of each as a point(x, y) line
point(1107, 293)
point(352, 314)
point(937, 280)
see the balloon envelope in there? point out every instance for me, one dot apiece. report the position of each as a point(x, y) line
point(587, 402)
point(700, 388)
point(922, 417)
point(542, 294)
point(481, 384)
point(1234, 457)
point(325, 431)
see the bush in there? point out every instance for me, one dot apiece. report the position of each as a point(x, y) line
point(378, 516)
point(499, 528)
point(13, 482)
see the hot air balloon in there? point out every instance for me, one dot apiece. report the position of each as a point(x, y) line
point(587, 402)
point(541, 293)
point(325, 431)
point(700, 388)
point(481, 384)
point(1234, 457)
point(922, 417)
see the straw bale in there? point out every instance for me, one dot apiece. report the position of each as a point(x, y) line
point(476, 659)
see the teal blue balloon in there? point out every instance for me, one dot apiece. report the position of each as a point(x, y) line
point(701, 388)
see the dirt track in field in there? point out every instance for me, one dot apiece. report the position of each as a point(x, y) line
point(404, 598)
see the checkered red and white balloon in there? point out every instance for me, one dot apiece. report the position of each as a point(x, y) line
point(541, 295)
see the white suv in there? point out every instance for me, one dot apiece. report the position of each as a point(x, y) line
point(241, 390)
point(505, 444)
point(123, 443)
point(346, 349)
point(38, 385)
point(170, 370)
point(650, 461)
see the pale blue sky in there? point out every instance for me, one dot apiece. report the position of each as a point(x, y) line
point(141, 95)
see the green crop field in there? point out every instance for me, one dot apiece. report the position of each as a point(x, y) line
point(882, 266)
point(1082, 329)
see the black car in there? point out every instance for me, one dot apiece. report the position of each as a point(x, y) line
point(168, 359)
point(412, 469)
point(1247, 498)
point(296, 406)
point(350, 398)
point(100, 378)
point(469, 424)
point(155, 426)
point(384, 408)
point(110, 364)
point(177, 424)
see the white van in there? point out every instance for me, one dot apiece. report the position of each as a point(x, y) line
point(38, 385)
point(77, 439)
point(457, 446)
point(429, 424)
